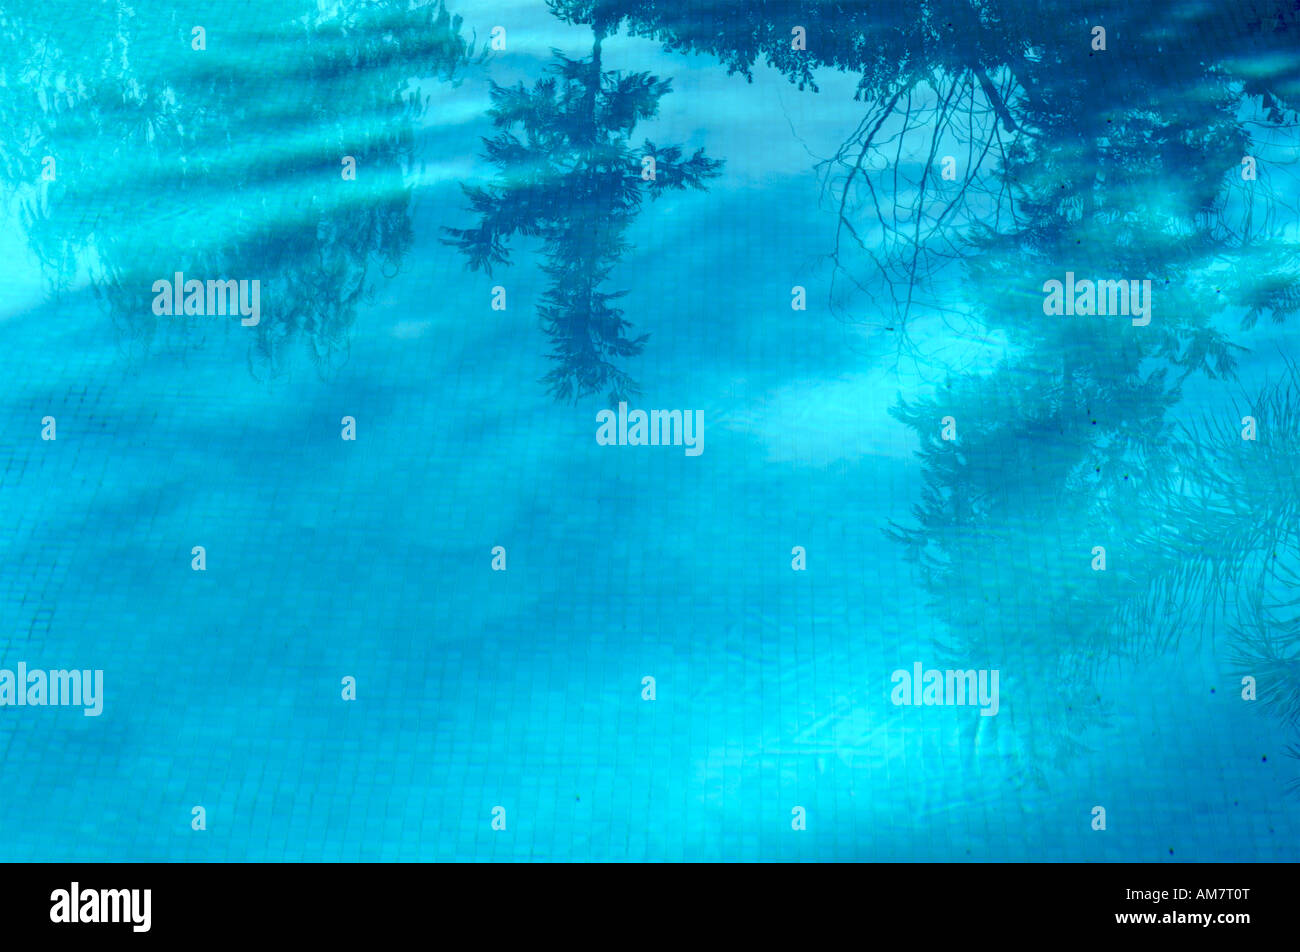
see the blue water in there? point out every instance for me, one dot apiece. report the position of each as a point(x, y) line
point(522, 689)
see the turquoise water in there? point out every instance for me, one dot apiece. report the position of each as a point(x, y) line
point(372, 559)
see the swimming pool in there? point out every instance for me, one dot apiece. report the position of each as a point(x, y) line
point(371, 577)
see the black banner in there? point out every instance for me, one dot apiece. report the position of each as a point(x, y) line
point(1166, 903)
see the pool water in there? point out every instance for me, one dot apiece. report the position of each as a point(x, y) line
point(825, 537)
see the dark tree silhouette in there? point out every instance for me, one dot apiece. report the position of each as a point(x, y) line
point(570, 177)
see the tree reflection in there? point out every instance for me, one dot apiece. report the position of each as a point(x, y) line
point(1124, 163)
point(224, 162)
point(570, 176)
